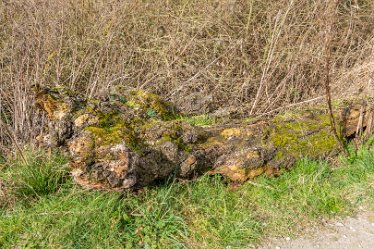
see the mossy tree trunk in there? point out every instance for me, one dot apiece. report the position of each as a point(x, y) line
point(132, 139)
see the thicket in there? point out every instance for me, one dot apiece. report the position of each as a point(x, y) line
point(256, 55)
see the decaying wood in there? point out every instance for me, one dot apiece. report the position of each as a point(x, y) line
point(132, 139)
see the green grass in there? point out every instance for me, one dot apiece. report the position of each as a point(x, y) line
point(48, 211)
point(200, 120)
point(40, 175)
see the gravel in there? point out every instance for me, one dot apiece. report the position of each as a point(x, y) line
point(348, 233)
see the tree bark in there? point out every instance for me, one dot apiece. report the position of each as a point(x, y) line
point(133, 139)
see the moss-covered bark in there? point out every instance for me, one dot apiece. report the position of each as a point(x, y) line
point(132, 139)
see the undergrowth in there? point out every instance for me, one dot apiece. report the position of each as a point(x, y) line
point(252, 55)
point(48, 211)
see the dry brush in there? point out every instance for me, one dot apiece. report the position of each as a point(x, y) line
point(257, 55)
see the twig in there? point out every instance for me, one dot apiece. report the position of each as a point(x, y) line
point(14, 141)
point(196, 75)
point(278, 27)
point(291, 105)
point(331, 16)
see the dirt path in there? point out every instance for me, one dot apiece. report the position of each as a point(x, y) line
point(348, 233)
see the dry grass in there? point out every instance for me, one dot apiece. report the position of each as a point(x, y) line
point(258, 55)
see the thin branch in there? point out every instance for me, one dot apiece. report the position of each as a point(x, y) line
point(331, 19)
point(291, 105)
point(12, 137)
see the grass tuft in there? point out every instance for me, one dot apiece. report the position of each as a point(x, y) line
point(41, 175)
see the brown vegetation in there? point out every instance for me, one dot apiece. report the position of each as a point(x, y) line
point(257, 55)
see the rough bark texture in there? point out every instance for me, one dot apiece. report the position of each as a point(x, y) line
point(131, 139)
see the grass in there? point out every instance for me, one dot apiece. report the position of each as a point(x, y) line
point(200, 120)
point(40, 177)
point(48, 211)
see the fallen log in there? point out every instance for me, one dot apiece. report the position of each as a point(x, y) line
point(133, 138)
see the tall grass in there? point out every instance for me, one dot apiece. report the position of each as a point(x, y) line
point(252, 54)
point(39, 176)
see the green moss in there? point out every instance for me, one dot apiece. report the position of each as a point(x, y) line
point(178, 141)
point(151, 104)
point(108, 135)
point(90, 107)
point(147, 104)
point(172, 131)
point(308, 135)
point(116, 134)
point(165, 139)
point(112, 129)
point(110, 119)
point(116, 127)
